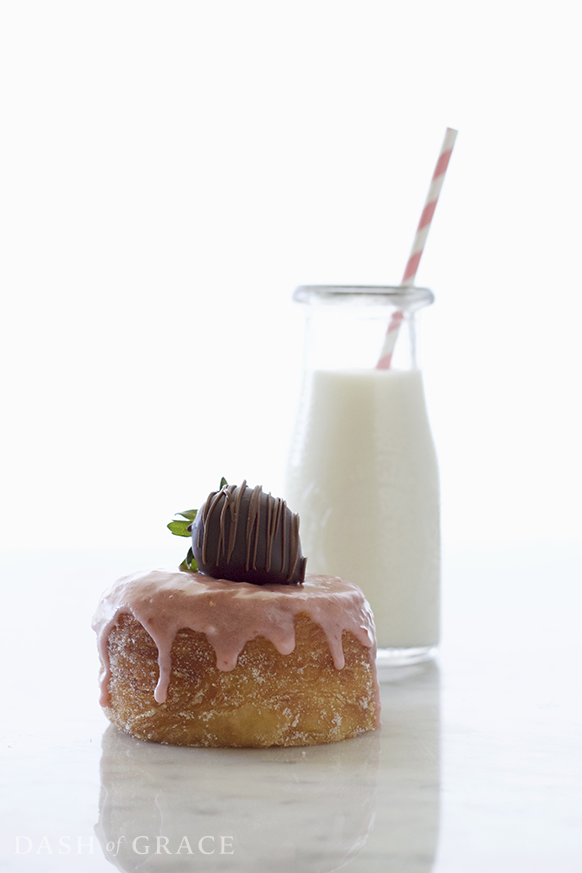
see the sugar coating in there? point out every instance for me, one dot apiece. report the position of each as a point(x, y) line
point(300, 700)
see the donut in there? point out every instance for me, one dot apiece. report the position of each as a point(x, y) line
point(191, 659)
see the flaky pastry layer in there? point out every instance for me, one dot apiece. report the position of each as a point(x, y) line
point(268, 699)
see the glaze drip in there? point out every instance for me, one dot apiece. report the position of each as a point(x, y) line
point(231, 614)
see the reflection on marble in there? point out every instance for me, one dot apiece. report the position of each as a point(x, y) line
point(408, 808)
point(276, 805)
point(373, 800)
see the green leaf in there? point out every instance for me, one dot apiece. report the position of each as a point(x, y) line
point(189, 562)
point(223, 482)
point(180, 528)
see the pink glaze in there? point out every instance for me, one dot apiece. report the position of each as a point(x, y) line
point(231, 614)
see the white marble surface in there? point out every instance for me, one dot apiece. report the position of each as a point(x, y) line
point(478, 766)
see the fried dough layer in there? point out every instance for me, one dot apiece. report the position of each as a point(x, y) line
point(268, 699)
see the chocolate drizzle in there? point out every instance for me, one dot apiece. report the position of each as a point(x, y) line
point(245, 535)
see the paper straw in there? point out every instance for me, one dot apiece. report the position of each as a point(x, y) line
point(418, 244)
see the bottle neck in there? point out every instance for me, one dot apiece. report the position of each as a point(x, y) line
point(346, 326)
point(344, 339)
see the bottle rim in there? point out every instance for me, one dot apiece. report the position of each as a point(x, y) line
point(395, 296)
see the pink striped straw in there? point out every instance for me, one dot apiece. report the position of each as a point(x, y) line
point(418, 244)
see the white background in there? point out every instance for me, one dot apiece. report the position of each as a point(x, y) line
point(171, 170)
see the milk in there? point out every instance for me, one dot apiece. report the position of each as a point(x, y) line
point(362, 474)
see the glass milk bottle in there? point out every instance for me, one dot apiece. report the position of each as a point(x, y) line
point(362, 469)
